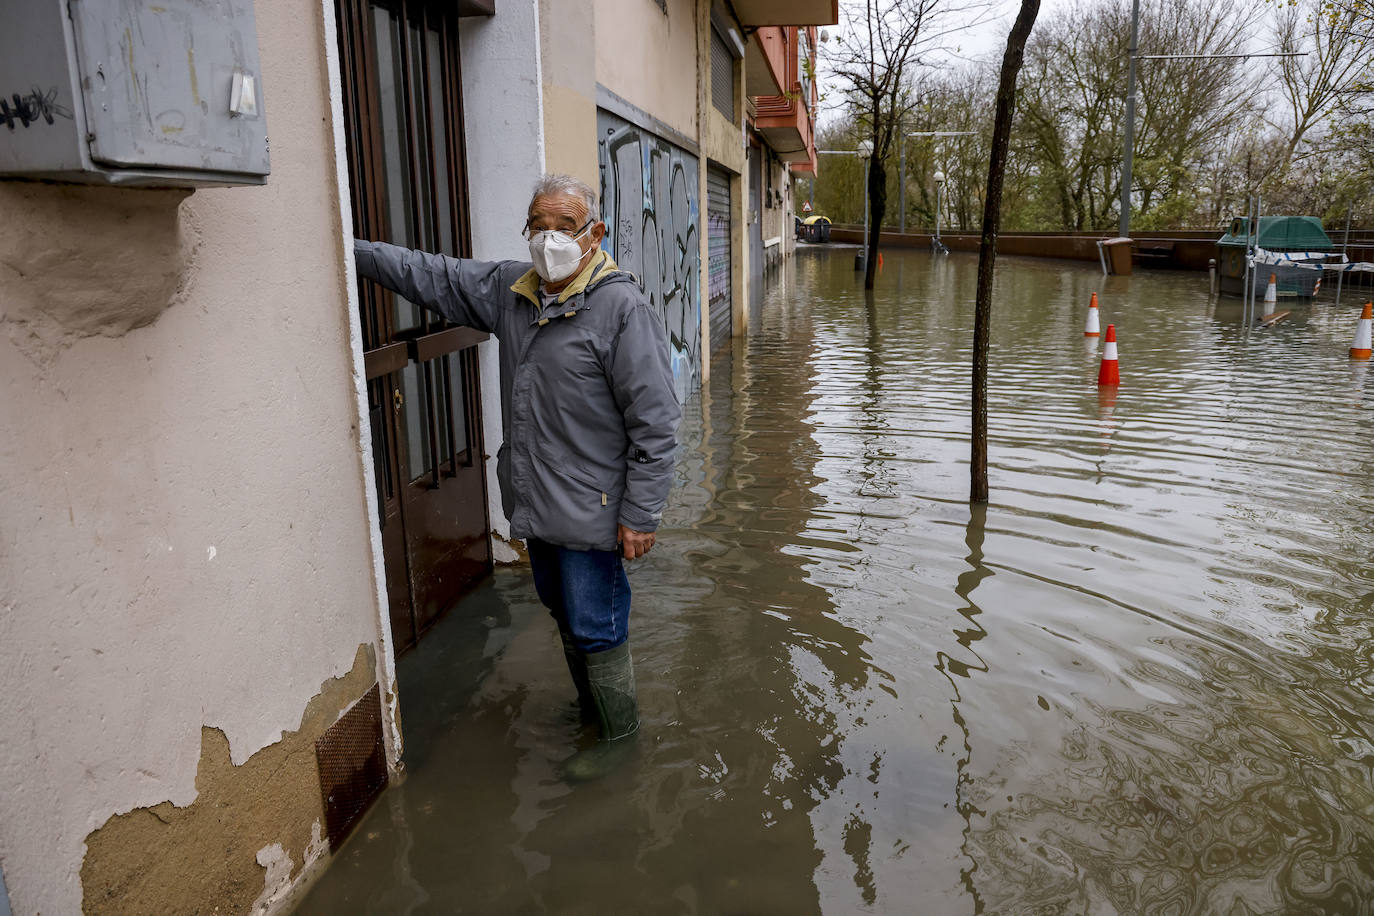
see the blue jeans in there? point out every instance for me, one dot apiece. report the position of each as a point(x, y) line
point(586, 592)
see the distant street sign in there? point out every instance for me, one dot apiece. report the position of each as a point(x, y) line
point(806, 207)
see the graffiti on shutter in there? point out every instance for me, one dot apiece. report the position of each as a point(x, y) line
point(718, 254)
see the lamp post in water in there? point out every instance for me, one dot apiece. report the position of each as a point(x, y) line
point(901, 184)
point(865, 151)
point(935, 242)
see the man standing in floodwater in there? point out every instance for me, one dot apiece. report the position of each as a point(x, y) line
point(590, 418)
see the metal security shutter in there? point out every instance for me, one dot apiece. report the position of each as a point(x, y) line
point(722, 76)
point(718, 236)
point(755, 230)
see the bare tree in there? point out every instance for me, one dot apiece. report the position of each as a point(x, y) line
point(879, 48)
point(1337, 57)
point(951, 102)
point(1071, 121)
point(1353, 131)
point(1188, 103)
point(840, 187)
point(1070, 111)
point(987, 250)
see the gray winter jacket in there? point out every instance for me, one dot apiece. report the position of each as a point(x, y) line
point(587, 400)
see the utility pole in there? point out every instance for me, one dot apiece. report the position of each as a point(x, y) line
point(1131, 57)
point(1130, 122)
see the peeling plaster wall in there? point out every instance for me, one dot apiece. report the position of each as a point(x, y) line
point(265, 813)
point(505, 157)
point(183, 538)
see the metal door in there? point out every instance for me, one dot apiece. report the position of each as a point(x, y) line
point(718, 237)
point(403, 110)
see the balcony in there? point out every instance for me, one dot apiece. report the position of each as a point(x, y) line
point(753, 13)
point(765, 62)
point(784, 115)
point(785, 123)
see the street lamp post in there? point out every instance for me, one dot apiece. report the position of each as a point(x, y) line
point(865, 151)
point(901, 185)
point(935, 242)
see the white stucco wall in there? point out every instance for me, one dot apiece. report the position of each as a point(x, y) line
point(504, 117)
point(185, 540)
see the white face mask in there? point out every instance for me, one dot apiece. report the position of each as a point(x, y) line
point(556, 254)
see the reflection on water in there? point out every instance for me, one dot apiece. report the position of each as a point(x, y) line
point(1139, 681)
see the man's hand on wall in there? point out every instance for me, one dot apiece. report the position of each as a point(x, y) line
point(635, 543)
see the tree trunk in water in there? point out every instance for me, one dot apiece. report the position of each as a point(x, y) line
point(877, 205)
point(987, 249)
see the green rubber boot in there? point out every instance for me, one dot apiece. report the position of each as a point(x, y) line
point(577, 667)
point(611, 677)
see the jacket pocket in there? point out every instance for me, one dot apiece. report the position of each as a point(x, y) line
point(569, 506)
point(603, 480)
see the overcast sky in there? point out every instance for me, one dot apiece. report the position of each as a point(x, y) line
point(991, 39)
point(984, 41)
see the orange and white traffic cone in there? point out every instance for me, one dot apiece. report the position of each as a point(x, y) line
point(1092, 329)
point(1271, 295)
point(1360, 349)
point(1110, 373)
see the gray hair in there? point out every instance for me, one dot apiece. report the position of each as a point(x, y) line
point(556, 185)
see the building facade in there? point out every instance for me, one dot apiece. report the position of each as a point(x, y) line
point(239, 484)
point(783, 96)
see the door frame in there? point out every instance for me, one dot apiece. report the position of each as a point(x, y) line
point(436, 527)
point(422, 345)
point(392, 738)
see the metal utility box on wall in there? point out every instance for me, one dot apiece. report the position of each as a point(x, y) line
point(130, 92)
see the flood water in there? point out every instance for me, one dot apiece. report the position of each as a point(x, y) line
point(1138, 681)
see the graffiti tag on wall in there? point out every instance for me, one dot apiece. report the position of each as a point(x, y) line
point(28, 109)
point(649, 203)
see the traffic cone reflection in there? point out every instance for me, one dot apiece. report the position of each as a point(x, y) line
point(1360, 349)
point(1092, 327)
point(1110, 373)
